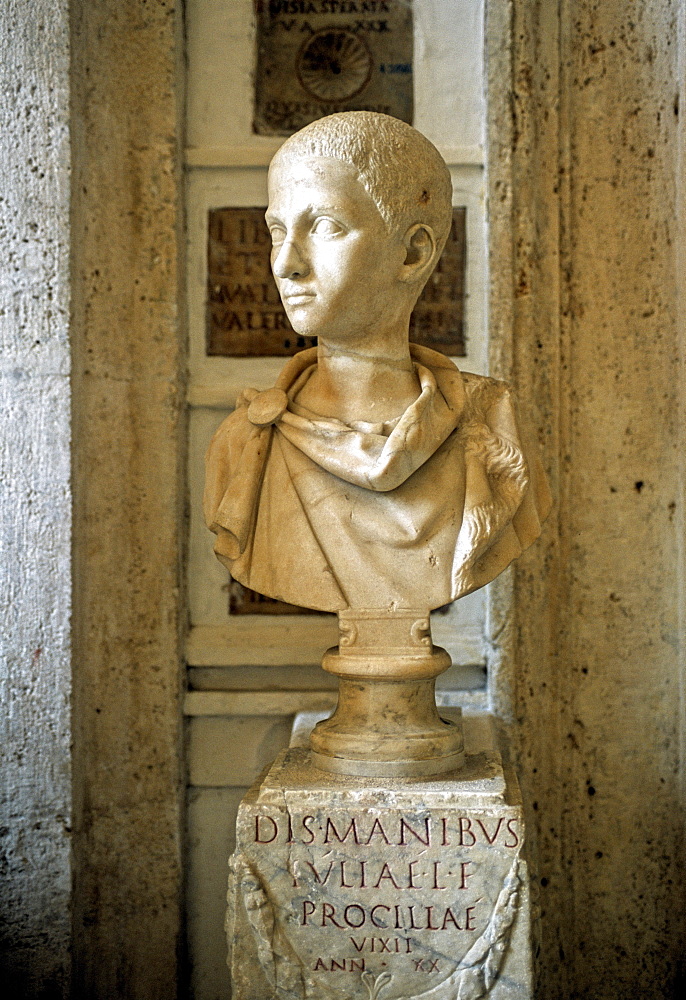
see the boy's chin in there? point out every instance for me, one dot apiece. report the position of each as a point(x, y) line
point(307, 326)
point(304, 329)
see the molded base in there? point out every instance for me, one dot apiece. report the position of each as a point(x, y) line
point(386, 723)
point(390, 768)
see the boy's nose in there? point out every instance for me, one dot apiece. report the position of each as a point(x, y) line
point(289, 261)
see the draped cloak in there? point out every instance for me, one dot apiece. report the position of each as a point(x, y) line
point(412, 513)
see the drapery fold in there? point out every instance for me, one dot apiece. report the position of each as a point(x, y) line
point(328, 515)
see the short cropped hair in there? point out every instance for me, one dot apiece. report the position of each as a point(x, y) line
point(402, 171)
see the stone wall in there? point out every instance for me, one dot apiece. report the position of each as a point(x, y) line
point(587, 231)
point(129, 358)
point(35, 499)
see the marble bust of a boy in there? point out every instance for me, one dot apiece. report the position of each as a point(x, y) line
point(374, 474)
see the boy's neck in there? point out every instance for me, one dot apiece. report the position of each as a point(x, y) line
point(360, 383)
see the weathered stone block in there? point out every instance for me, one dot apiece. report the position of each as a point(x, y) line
point(346, 887)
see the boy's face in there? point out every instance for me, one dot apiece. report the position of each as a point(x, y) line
point(335, 264)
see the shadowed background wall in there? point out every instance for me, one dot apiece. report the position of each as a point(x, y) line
point(586, 195)
point(128, 382)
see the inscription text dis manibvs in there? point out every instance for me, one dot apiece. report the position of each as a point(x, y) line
point(431, 831)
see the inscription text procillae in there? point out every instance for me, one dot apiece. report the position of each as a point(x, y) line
point(369, 891)
point(409, 918)
point(244, 314)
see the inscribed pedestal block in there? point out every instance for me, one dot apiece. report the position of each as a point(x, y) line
point(382, 889)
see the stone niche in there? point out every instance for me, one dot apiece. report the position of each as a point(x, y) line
point(387, 889)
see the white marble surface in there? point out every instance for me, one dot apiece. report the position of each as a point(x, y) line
point(403, 482)
point(344, 888)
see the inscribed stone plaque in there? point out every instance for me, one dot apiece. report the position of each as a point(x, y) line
point(438, 317)
point(316, 57)
point(342, 889)
point(245, 317)
point(244, 601)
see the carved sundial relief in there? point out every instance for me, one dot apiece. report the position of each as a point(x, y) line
point(334, 64)
point(318, 56)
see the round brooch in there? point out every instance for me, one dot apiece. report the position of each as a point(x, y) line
point(267, 407)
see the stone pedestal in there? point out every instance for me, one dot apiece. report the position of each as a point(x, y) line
point(386, 723)
point(345, 887)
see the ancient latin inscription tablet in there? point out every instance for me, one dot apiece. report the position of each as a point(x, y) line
point(316, 57)
point(438, 317)
point(245, 317)
point(378, 894)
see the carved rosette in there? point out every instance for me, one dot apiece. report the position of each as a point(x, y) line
point(334, 64)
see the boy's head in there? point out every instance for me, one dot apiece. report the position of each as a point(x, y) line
point(402, 171)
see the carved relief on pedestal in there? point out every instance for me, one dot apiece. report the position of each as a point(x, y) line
point(296, 972)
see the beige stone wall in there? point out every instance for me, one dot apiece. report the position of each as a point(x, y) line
point(35, 500)
point(587, 212)
point(129, 360)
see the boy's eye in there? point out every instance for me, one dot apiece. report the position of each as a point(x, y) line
point(278, 235)
point(326, 227)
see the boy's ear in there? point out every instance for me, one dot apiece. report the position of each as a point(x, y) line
point(420, 253)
